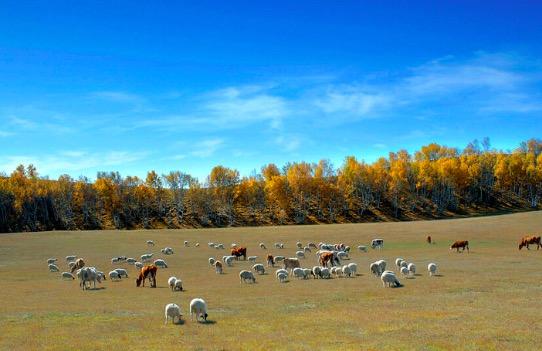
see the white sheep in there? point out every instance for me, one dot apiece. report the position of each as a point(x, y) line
point(375, 269)
point(229, 261)
point(245, 276)
point(316, 272)
point(432, 268)
point(197, 244)
point(307, 249)
point(325, 273)
point(404, 271)
point(353, 269)
point(278, 259)
point(398, 262)
point(178, 285)
point(362, 248)
point(71, 264)
point(259, 268)
point(172, 311)
point(233, 245)
point(307, 272)
point(282, 277)
point(212, 261)
point(262, 246)
point(404, 264)
point(412, 268)
point(198, 307)
point(51, 261)
point(389, 279)
point(53, 268)
point(114, 275)
point(186, 243)
point(171, 282)
point(279, 245)
point(342, 255)
point(167, 251)
point(122, 272)
point(130, 261)
point(299, 273)
point(150, 242)
point(71, 258)
point(252, 259)
point(220, 246)
point(138, 265)
point(279, 271)
point(346, 271)
point(67, 275)
point(300, 254)
point(299, 245)
point(146, 257)
point(211, 245)
point(160, 263)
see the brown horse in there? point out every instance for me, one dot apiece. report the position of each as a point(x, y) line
point(530, 240)
point(147, 272)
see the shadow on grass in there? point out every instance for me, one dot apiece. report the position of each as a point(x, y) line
point(437, 275)
point(208, 321)
point(96, 289)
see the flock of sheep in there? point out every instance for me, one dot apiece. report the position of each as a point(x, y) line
point(329, 257)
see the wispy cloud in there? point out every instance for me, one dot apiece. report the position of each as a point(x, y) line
point(206, 148)
point(118, 96)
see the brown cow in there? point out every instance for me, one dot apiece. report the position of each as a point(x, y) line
point(429, 239)
point(78, 264)
point(460, 244)
point(147, 272)
point(239, 251)
point(270, 261)
point(530, 240)
point(325, 258)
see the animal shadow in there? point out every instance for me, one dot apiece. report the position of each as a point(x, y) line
point(438, 275)
point(209, 321)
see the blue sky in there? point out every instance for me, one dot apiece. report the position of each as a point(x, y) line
point(133, 86)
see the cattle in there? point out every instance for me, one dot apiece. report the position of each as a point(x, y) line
point(330, 257)
point(79, 263)
point(377, 243)
point(147, 272)
point(529, 240)
point(270, 261)
point(291, 263)
point(429, 240)
point(239, 251)
point(460, 244)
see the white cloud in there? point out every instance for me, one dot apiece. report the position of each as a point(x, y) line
point(351, 99)
point(289, 143)
point(206, 148)
point(118, 96)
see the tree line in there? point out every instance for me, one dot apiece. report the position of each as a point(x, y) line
point(436, 181)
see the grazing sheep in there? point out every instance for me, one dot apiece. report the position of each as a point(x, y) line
point(130, 261)
point(233, 245)
point(178, 285)
point(299, 245)
point(307, 249)
point(229, 261)
point(312, 245)
point(404, 271)
point(278, 259)
point(122, 272)
point(150, 242)
point(382, 265)
point(211, 245)
point(299, 273)
point(114, 275)
point(307, 272)
point(146, 257)
point(138, 265)
point(212, 261)
point(398, 262)
point(432, 268)
point(338, 271)
point(167, 251)
point(160, 263)
point(67, 275)
point(218, 267)
point(347, 249)
point(389, 279)
point(279, 245)
point(282, 277)
point(70, 258)
point(375, 269)
point(252, 258)
point(186, 244)
point(245, 276)
point(362, 248)
point(377, 243)
point(316, 272)
point(262, 246)
point(346, 271)
point(197, 244)
point(353, 269)
point(220, 246)
point(172, 311)
point(51, 261)
point(259, 268)
point(404, 264)
point(199, 308)
point(71, 265)
point(342, 255)
point(325, 273)
point(300, 254)
point(53, 268)
point(171, 282)
point(412, 268)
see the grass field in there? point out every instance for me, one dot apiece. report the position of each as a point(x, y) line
point(488, 299)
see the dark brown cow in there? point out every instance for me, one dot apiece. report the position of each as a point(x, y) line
point(460, 244)
point(270, 261)
point(239, 251)
point(429, 239)
point(147, 272)
point(325, 258)
point(530, 240)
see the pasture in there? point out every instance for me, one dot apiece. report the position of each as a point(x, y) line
point(488, 299)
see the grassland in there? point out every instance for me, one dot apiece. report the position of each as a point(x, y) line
point(488, 299)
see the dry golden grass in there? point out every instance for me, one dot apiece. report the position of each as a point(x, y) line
point(488, 299)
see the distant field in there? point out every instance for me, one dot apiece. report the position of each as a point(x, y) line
point(488, 299)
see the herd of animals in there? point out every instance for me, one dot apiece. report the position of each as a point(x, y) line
point(329, 257)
